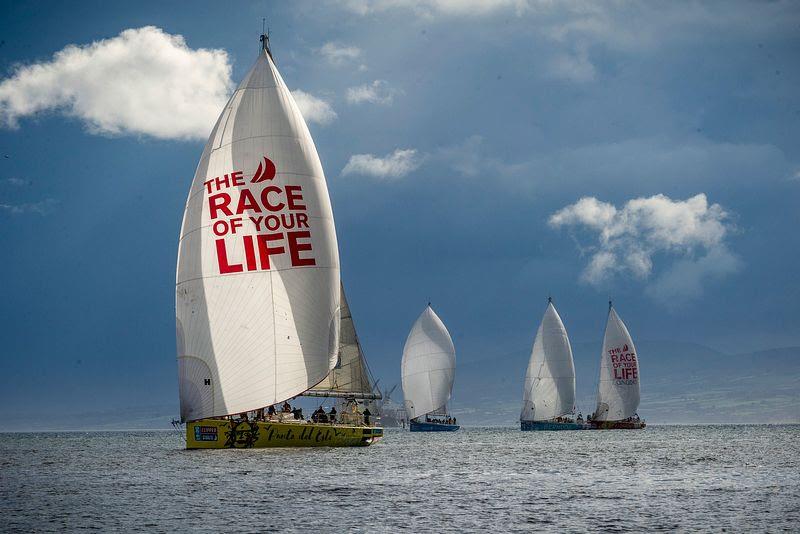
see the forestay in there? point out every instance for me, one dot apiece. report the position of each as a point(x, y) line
point(550, 378)
point(257, 300)
point(618, 389)
point(350, 377)
point(428, 367)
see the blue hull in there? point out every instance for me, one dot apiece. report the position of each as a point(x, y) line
point(432, 427)
point(550, 425)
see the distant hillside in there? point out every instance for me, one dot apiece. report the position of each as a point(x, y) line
point(681, 383)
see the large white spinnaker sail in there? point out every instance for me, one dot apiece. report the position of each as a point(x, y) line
point(429, 365)
point(618, 388)
point(257, 301)
point(550, 378)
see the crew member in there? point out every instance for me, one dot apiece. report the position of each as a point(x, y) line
point(317, 415)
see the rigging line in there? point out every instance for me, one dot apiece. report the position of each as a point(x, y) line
point(177, 426)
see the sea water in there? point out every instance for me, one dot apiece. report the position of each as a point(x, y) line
point(739, 478)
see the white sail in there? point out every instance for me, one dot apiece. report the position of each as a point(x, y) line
point(257, 300)
point(351, 376)
point(618, 389)
point(550, 378)
point(429, 365)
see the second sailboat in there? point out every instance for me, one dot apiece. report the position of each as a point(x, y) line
point(548, 401)
point(428, 369)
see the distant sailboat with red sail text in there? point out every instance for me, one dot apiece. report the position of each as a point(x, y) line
point(618, 390)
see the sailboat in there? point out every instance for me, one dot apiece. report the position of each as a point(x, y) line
point(618, 386)
point(261, 313)
point(548, 400)
point(428, 369)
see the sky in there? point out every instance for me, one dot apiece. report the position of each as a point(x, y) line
point(480, 155)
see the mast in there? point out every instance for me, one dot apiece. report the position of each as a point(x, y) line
point(265, 44)
point(257, 301)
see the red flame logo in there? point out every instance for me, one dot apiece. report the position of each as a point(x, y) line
point(266, 171)
point(625, 348)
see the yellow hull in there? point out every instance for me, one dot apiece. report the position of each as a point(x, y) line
point(224, 434)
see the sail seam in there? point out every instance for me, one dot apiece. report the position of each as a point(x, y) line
point(241, 139)
point(252, 273)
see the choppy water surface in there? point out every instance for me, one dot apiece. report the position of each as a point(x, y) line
point(662, 478)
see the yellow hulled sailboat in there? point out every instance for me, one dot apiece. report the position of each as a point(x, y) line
point(261, 312)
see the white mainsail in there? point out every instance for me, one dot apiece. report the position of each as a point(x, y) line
point(550, 378)
point(618, 388)
point(257, 301)
point(350, 377)
point(428, 367)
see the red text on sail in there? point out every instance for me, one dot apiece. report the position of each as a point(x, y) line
point(624, 366)
point(255, 222)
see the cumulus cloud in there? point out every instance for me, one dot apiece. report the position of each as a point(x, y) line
point(587, 211)
point(631, 237)
point(377, 92)
point(314, 109)
point(41, 208)
point(395, 165)
point(143, 82)
point(339, 54)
